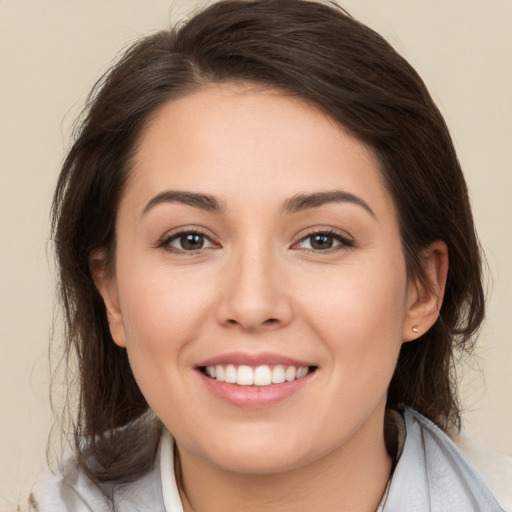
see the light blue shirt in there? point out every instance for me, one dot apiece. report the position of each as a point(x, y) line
point(434, 475)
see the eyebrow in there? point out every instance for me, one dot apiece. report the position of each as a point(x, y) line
point(197, 200)
point(297, 203)
point(301, 202)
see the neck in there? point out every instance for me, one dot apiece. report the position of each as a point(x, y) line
point(351, 478)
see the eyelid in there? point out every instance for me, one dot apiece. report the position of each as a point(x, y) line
point(176, 233)
point(345, 240)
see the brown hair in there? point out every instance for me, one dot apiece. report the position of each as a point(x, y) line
point(317, 52)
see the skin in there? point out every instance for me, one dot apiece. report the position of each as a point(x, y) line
point(257, 285)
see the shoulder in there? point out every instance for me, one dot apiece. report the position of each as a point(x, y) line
point(483, 468)
point(70, 488)
point(434, 474)
point(66, 488)
point(496, 470)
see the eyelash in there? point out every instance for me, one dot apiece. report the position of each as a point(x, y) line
point(343, 242)
point(166, 242)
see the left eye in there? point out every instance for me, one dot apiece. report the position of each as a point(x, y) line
point(190, 241)
point(323, 242)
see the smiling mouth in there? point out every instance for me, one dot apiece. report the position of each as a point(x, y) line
point(263, 375)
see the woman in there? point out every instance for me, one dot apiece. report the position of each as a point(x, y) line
point(267, 260)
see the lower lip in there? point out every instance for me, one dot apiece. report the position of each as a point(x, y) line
point(254, 396)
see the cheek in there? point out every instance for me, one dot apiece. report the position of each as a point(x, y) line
point(164, 313)
point(163, 310)
point(360, 313)
point(359, 321)
point(357, 297)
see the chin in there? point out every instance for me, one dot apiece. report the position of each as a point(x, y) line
point(258, 452)
point(259, 462)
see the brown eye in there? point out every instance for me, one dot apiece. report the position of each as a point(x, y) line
point(189, 241)
point(324, 241)
point(321, 242)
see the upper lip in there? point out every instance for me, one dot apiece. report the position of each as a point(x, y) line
point(248, 359)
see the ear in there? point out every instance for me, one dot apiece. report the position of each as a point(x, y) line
point(425, 296)
point(106, 284)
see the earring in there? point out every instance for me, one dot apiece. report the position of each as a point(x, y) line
point(415, 330)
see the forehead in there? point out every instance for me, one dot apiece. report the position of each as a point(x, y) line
point(234, 139)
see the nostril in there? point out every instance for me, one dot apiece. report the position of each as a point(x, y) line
point(269, 321)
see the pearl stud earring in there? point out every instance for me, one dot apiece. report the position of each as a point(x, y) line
point(415, 330)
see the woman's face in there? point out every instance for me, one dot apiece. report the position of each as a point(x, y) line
point(256, 240)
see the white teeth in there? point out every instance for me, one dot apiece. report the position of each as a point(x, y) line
point(290, 373)
point(219, 373)
point(302, 372)
point(278, 375)
point(230, 374)
point(262, 375)
point(245, 376)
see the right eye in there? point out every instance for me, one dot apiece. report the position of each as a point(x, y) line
point(187, 241)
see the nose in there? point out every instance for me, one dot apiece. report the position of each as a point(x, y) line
point(254, 294)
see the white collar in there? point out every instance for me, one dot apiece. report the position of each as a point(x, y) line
point(170, 493)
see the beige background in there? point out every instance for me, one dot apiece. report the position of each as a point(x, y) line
point(52, 51)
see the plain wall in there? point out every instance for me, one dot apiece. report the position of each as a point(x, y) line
point(52, 52)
